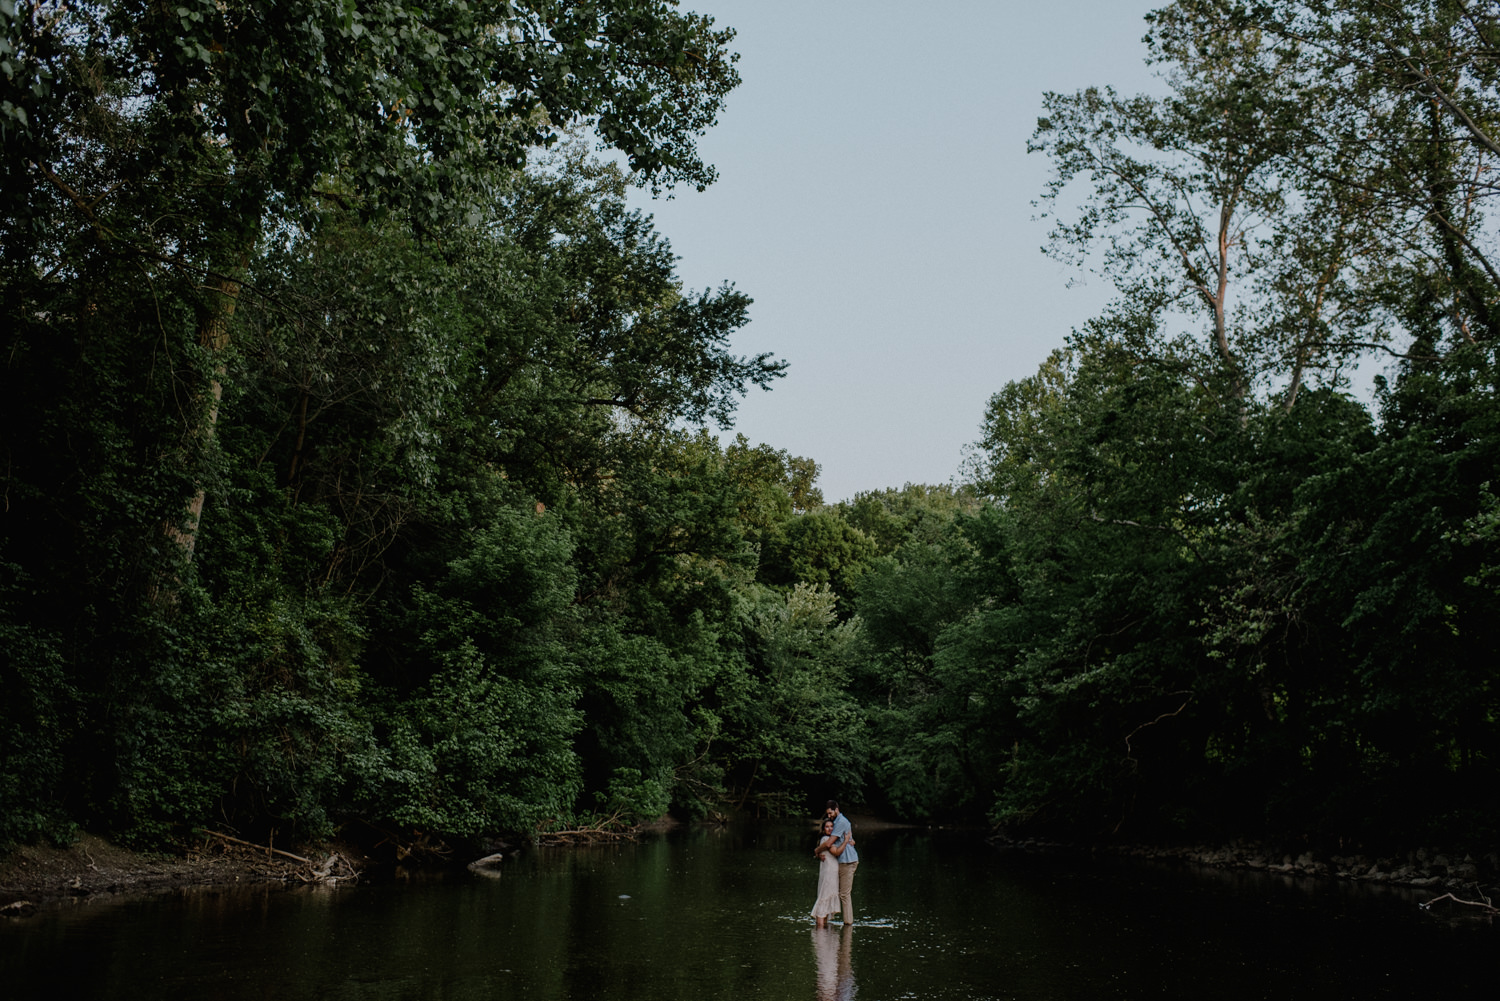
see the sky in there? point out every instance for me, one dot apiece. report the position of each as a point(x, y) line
point(875, 200)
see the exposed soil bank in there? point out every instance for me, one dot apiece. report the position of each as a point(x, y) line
point(37, 875)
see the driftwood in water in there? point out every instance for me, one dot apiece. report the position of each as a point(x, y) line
point(1485, 905)
point(610, 828)
point(332, 870)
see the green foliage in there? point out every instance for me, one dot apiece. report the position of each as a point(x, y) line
point(921, 713)
point(638, 699)
point(504, 597)
point(38, 713)
point(788, 717)
point(391, 105)
point(477, 751)
point(1213, 595)
point(356, 471)
point(1187, 615)
point(817, 548)
point(888, 517)
point(347, 474)
point(484, 742)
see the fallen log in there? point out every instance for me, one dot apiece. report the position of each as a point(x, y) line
point(251, 844)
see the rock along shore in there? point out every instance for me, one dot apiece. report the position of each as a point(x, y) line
point(1420, 867)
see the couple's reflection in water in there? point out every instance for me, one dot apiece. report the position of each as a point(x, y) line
point(833, 947)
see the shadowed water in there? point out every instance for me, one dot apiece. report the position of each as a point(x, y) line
point(703, 914)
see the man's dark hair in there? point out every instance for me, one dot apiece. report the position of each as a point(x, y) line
point(833, 804)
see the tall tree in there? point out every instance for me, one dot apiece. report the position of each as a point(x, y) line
point(1407, 129)
point(178, 136)
point(1201, 205)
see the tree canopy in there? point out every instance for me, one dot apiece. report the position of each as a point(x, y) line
point(361, 466)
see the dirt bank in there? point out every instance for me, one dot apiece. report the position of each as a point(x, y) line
point(38, 875)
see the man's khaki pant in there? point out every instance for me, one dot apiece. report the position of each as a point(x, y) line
point(846, 887)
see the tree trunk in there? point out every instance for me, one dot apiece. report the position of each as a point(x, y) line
point(213, 336)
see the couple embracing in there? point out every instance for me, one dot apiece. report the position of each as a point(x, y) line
point(837, 861)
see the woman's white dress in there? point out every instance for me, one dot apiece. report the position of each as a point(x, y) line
point(828, 887)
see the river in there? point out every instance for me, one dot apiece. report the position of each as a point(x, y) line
point(709, 913)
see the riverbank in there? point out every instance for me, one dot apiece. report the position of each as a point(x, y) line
point(33, 876)
point(1419, 868)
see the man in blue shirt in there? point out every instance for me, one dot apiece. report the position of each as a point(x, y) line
point(848, 860)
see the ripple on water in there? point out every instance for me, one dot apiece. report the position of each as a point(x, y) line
point(801, 917)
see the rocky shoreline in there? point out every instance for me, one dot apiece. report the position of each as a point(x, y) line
point(1420, 868)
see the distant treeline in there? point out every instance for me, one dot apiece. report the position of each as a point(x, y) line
point(356, 461)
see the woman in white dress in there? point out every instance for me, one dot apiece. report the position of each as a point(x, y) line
point(828, 874)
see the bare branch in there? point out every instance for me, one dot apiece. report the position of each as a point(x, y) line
point(1485, 906)
point(1129, 756)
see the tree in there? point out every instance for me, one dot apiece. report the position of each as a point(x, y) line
point(1201, 203)
point(178, 137)
point(889, 517)
point(788, 723)
point(1405, 135)
point(928, 733)
point(441, 378)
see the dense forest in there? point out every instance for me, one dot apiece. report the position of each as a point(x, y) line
point(361, 455)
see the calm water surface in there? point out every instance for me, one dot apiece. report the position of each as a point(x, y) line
point(708, 914)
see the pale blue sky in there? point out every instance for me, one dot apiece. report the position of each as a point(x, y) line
point(875, 199)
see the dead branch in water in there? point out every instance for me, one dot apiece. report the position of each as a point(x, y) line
point(333, 870)
point(610, 828)
point(1485, 905)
